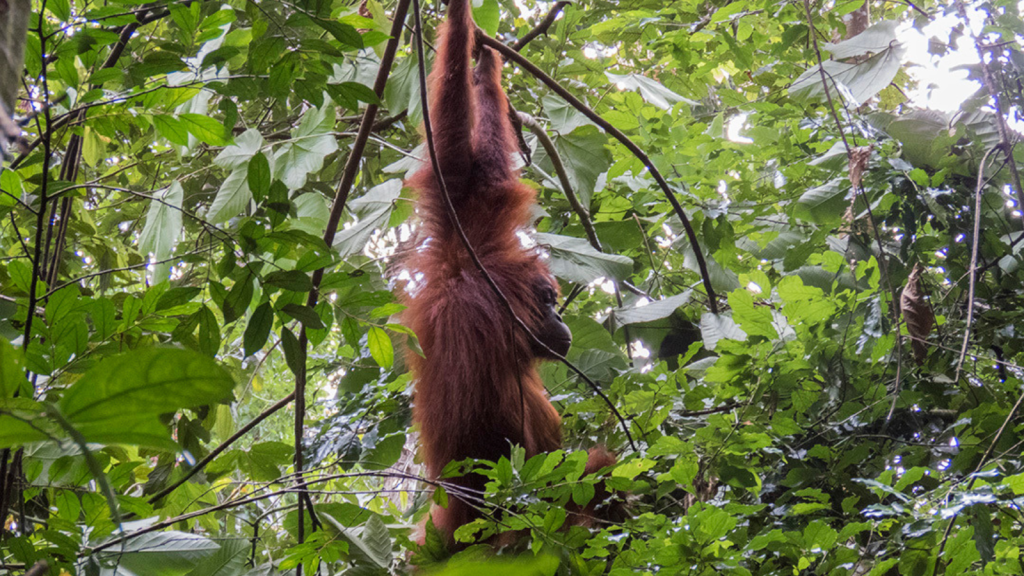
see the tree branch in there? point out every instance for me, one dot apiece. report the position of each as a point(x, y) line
point(340, 199)
point(223, 446)
point(691, 235)
point(541, 28)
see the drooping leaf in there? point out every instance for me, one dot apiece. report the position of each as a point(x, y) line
point(163, 222)
point(381, 349)
point(258, 329)
point(304, 314)
point(232, 199)
point(258, 176)
point(917, 313)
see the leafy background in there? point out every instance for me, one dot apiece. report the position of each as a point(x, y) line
point(196, 277)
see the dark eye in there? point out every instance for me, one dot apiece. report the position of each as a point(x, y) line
point(547, 295)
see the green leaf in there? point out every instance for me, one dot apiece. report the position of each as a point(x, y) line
point(161, 553)
point(575, 260)
point(859, 82)
point(311, 142)
point(360, 92)
point(12, 372)
point(824, 204)
point(61, 304)
point(259, 176)
point(563, 116)
point(715, 327)
point(246, 146)
point(204, 128)
point(984, 535)
point(755, 320)
point(309, 318)
point(344, 33)
point(294, 353)
point(293, 280)
point(228, 560)
point(487, 16)
point(819, 537)
point(237, 299)
point(163, 222)
point(353, 239)
point(381, 349)
point(651, 90)
point(118, 399)
point(171, 128)
point(177, 296)
point(385, 453)
point(60, 8)
point(258, 330)
point(350, 330)
point(376, 541)
point(652, 311)
point(878, 37)
point(209, 332)
point(232, 199)
point(158, 63)
point(585, 156)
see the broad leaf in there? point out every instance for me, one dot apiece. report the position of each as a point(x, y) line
point(133, 388)
point(163, 222)
point(575, 260)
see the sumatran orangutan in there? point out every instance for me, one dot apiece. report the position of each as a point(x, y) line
point(477, 387)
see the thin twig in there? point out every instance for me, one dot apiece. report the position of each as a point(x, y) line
point(974, 478)
point(972, 278)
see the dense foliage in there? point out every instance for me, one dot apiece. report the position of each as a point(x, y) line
point(845, 401)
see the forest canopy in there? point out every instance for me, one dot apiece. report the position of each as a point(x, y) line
point(787, 237)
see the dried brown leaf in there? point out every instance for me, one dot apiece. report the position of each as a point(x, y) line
point(917, 313)
point(858, 162)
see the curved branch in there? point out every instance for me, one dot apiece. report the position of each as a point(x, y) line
point(581, 211)
point(541, 28)
point(555, 87)
point(563, 177)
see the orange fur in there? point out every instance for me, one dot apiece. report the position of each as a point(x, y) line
point(477, 387)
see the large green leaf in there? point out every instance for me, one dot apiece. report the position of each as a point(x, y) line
point(716, 327)
point(652, 310)
point(311, 142)
point(651, 90)
point(860, 81)
point(163, 222)
point(824, 204)
point(118, 400)
point(160, 553)
point(575, 260)
point(585, 157)
point(233, 197)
